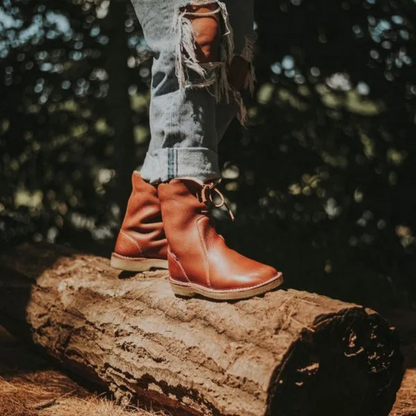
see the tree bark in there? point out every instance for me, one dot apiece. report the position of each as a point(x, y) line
point(286, 353)
point(118, 100)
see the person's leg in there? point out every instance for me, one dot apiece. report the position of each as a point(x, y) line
point(191, 107)
point(195, 82)
point(182, 114)
point(192, 76)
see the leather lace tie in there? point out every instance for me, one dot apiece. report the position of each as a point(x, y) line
point(207, 196)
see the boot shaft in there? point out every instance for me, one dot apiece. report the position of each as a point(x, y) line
point(142, 233)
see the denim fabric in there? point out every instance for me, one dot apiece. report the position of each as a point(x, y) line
point(191, 103)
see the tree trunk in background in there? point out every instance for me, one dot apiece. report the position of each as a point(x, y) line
point(287, 353)
point(118, 100)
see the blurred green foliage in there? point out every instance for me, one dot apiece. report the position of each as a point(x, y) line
point(323, 181)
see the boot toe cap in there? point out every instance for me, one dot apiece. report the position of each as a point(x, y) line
point(248, 277)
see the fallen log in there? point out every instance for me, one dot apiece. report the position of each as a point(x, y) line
point(286, 353)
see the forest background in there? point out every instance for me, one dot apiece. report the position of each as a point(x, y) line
point(323, 181)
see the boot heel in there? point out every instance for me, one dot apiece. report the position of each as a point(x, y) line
point(137, 264)
point(182, 290)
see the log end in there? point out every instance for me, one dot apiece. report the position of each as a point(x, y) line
point(348, 364)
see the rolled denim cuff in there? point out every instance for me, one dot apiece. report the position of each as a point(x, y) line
point(165, 164)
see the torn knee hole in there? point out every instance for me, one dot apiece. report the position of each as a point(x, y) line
point(204, 38)
point(205, 54)
point(204, 44)
point(205, 21)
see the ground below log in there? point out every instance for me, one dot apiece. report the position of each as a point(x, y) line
point(405, 322)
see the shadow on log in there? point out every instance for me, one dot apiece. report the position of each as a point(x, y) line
point(287, 353)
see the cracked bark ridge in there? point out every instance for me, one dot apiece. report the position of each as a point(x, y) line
point(287, 353)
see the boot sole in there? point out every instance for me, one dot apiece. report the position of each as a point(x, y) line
point(230, 294)
point(130, 264)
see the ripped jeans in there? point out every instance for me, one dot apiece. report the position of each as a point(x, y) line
point(192, 103)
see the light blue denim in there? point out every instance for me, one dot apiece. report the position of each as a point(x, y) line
point(192, 104)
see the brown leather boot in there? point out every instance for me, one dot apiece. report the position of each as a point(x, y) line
point(199, 260)
point(141, 243)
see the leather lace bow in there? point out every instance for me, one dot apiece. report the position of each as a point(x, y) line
point(207, 196)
